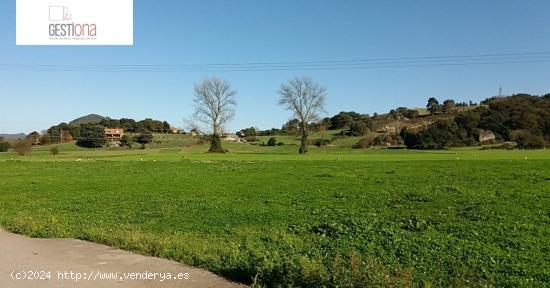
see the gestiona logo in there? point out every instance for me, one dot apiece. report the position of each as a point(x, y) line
point(74, 22)
point(62, 26)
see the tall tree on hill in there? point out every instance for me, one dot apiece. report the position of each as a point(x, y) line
point(165, 127)
point(91, 136)
point(4, 146)
point(291, 126)
point(448, 105)
point(214, 107)
point(433, 106)
point(306, 99)
point(34, 138)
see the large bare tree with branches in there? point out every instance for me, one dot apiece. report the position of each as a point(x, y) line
point(214, 107)
point(306, 99)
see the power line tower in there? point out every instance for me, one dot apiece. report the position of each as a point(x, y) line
point(500, 91)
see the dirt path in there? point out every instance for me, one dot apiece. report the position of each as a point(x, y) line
point(60, 257)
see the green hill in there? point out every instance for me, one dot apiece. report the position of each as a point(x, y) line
point(88, 119)
point(13, 136)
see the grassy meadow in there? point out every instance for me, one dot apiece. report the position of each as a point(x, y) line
point(336, 217)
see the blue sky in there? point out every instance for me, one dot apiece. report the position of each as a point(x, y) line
point(239, 31)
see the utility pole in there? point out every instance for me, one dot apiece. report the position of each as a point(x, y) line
point(500, 91)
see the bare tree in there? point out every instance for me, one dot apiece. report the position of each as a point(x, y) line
point(306, 99)
point(214, 107)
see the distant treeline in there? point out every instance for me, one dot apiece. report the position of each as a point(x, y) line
point(522, 118)
point(356, 123)
point(67, 133)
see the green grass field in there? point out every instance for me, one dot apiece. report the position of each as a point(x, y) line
point(334, 217)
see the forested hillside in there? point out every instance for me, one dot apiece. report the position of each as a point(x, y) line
point(522, 118)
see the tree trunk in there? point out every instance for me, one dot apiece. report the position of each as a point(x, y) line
point(216, 144)
point(303, 144)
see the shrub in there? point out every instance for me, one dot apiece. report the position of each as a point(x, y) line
point(203, 139)
point(321, 142)
point(127, 141)
point(380, 140)
point(34, 138)
point(505, 145)
point(272, 141)
point(22, 147)
point(280, 144)
point(527, 140)
point(411, 113)
point(363, 143)
point(45, 139)
point(144, 139)
point(4, 146)
point(442, 133)
point(251, 139)
point(358, 129)
point(250, 132)
point(385, 139)
point(54, 150)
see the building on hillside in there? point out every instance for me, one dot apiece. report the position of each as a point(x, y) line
point(486, 135)
point(241, 133)
point(231, 138)
point(114, 134)
point(175, 131)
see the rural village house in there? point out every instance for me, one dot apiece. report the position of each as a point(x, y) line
point(114, 134)
point(486, 135)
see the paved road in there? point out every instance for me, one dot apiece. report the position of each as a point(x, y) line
point(19, 253)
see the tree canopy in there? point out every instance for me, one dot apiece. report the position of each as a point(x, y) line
point(214, 108)
point(306, 99)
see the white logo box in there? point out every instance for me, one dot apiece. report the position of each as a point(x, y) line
point(113, 20)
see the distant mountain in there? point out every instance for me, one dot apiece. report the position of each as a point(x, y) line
point(13, 136)
point(89, 119)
